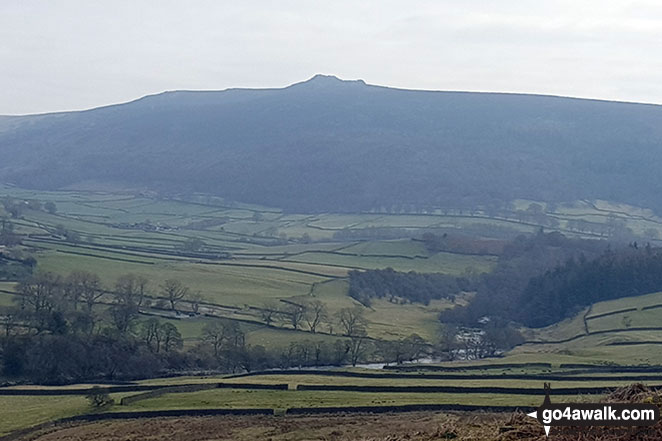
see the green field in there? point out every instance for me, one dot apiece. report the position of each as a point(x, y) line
point(222, 398)
point(26, 411)
point(276, 256)
point(272, 256)
point(622, 331)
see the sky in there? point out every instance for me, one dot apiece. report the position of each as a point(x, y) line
point(78, 54)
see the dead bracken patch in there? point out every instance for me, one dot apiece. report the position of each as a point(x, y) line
point(635, 393)
point(423, 426)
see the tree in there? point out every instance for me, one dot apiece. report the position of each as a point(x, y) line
point(122, 316)
point(195, 299)
point(352, 321)
point(172, 339)
point(294, 313)
point(193, 244)
point(131, 289)
point(448, 345)
point(98, 397)
point(404, 349)
point(152, 334)
point(254, 358)
point(416, 347)
point(222, 335)
point(501, 336)
point(12, 320)
point(357, 346)
point(7, 235)
point(14, 208)
point(41, 297)
point(34, 204)
point(50, 207)
point(60, 230)
point(174, 291)
point(159, 336)
point(315, 314)
point(72, 236)
point(268, 312)
point(83, 286)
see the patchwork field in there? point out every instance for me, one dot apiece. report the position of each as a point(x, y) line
point(621, 331)
point(488, 387)
point(249, 255)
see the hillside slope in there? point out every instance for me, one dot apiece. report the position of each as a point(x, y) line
point(333, 145)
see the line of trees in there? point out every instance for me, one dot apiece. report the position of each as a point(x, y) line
point(71, 328)
point(499, 293)
point(560, 292)
point(16, 207)
point(313, 314)
point(401, 287)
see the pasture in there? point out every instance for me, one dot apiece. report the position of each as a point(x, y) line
point(622, 331)
point(249, 256)
point(485, 384)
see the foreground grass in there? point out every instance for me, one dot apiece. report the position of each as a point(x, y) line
point(224, 398)
point(20, 412)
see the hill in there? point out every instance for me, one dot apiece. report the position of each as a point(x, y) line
point(333, 145)
point(621, 331)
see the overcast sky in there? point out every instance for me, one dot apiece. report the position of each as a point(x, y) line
point(75, 54)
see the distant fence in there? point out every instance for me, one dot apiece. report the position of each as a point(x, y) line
point(140, 388)
point(457, 389)
point(459, 377)
point(612, 368)
point(606, 331)
point(80, 391)
point(606, 314)
point(422, 367)
point(198, 387)
point(406, 408)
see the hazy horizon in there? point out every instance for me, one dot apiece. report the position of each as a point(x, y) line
point(368, 83)
point(102, 53)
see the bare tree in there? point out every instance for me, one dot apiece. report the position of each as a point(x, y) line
point(216, 335)
point(358, 346)
point(141, 284)
point(448, 344)
point(268, 312)
point(12, 320)
point(222, 335)
point(40, 292)
point(152, 334)
point(172, 339)
point(131, 289)
point(352, 321)
point(294, 313)
point(195, 299)
point(85, 287)
point(315, 314)
point(123, 316)
point(173, 291)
